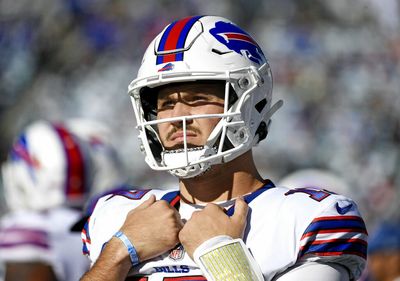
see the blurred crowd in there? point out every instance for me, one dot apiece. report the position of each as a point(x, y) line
point(336, 65)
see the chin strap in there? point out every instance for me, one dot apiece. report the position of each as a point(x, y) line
point(273, 109)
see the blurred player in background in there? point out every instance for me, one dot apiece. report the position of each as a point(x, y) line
point(202, 99)
point(51, 170)
point(317, 178)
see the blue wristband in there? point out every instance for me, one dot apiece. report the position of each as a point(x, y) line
point(131, 249)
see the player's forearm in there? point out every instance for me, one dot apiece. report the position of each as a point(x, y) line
point(313, 271)
point(113, 264)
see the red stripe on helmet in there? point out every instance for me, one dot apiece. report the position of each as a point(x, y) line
point(239, 36)
point(172, 40)
point(75, 178)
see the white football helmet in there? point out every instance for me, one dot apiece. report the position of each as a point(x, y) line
point(107, 168)
point(204, 48)
point(49, 165)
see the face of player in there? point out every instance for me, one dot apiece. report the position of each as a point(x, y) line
point(189, 99)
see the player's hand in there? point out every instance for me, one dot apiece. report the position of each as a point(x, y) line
point(152, 228)
point(213, 221)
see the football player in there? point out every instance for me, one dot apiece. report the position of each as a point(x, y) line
point(202, 100)
point(51, 170)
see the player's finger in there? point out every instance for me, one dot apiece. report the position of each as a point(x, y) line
point(150, 201)
point(213, 207)
point(181, 222)
point(241, 210)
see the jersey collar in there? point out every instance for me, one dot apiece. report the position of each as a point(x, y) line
point(173, 197)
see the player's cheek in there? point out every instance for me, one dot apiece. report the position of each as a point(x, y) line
point(214, 122)
point(162, 131)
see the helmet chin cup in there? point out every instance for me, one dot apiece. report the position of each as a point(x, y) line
point(184, 157)
point(190, 171)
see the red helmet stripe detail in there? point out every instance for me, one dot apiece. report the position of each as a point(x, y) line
point(75, 178)
point(174, 38)
point(242, 37)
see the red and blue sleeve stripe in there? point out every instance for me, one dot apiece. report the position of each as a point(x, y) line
point(173, 39)
point(335, 236)
point(335, 224)
point(86, 238)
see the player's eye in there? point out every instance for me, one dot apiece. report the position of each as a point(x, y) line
point(165, 104)
point(198, 98)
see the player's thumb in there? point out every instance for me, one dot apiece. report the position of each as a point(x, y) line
point(241, 211)
point(150, 201)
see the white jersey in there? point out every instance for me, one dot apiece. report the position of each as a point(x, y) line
point(285, 227)
point(27, 236)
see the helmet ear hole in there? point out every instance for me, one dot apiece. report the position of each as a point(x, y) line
point(233, 97)
point(261, 105)
point(262, 131)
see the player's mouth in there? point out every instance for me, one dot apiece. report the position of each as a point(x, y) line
point(179, 136)
point(175, 138)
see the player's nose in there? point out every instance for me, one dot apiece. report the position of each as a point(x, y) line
point(180, 109)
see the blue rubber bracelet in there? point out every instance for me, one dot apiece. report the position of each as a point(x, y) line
point(131, 249)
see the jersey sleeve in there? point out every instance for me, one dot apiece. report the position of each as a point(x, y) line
point(43, 237)
point(21, 244)
point(24, 236)
point(107, 218)
point(336, 235)
point(314, 271)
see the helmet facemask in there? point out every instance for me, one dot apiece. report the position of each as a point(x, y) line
point(234, 134)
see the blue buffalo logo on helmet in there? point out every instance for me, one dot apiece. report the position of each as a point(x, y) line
point(238, 41)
